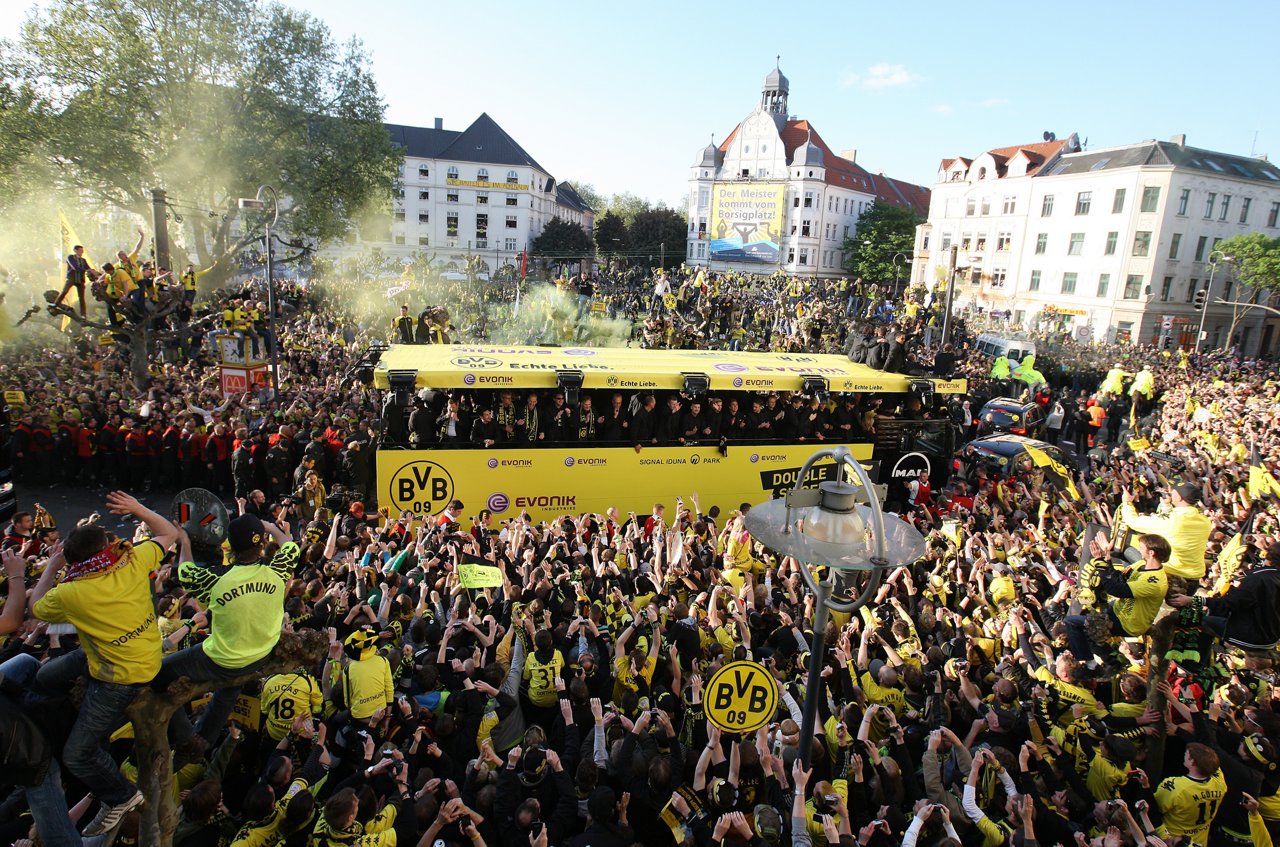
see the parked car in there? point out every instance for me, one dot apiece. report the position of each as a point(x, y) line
point(1015, 348)
point(1001, 454)
point(1005, 414)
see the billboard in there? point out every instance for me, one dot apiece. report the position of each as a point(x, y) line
point(746, 221)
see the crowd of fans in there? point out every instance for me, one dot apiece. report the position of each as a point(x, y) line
point(994, 691)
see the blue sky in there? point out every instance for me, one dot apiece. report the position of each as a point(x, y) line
point(623, 95)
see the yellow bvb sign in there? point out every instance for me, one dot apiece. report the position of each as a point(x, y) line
point(741, 697)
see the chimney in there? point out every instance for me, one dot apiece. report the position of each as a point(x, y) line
point(851, 155)
point(439, 123)
point(1180, 139)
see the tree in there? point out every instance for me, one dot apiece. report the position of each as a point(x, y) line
point(562, 240)
point(659, 232)
point(1255, 262)
point(611, 235)
point(628, 206)
point(110, 98)
point(883, 231)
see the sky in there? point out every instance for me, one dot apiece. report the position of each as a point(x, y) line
point(624, 96)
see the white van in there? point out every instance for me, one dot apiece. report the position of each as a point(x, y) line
point(993, 345)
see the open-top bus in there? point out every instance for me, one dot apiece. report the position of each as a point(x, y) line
point(545, 477)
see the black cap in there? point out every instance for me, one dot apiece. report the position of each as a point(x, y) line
point(245, 533)
point(1189, 491)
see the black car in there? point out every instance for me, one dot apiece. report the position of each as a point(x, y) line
point(1018, 417)
point(1001, 454)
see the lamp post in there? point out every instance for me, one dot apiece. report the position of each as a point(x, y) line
point(1204, 312)
point(841, 527)
point(259, 202)
point(896, 257)
point(951, 288)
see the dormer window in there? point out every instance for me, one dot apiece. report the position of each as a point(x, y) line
point(982, 173)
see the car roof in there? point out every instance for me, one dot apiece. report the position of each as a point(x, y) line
point(1008, 445)
point(1008, 401)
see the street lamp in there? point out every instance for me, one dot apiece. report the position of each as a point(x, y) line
point(259, 203)
point(1213, 268)
point(828, 527)
point(896, 257)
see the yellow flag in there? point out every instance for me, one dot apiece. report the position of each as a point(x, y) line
point(1054, 469)
point(1229, 559)
point(1261, 481)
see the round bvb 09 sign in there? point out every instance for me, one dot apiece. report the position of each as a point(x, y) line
point(422, 487)
point(741, 697)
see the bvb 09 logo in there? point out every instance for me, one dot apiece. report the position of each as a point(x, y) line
point(422, 487)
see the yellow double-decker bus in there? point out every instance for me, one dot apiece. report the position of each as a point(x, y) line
point(693, 423)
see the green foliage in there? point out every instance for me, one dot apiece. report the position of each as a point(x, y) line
point(889, 229)
point(651, 230)
point(110, 98)
point(611, 234)
point(563, 240)
point(1255, 260)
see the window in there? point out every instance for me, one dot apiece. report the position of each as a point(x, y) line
point(1083, 201)
point(451, 197)
point(482, 175)
point(1133, 286)
point(482, 226)
point(1046, 206)
point(1117, 202)
point(966, 241)
point(1165, 288)
point(1104, 284)
point(424, 218)
point(423, 171)
point(1150, 198)
point(970, 206)
point(424, 241)
point(808, 199)
point(1208, 205)
point(1110, 248)
point(511, 222)
point(513, 177)
point(1226, 205)
point(1200, 245)
point(453, 172)
point(998, 277)
point(924, 243)
point(795, 202)
point(1042, 243)
point(509, 245)
point(1004, 240)
point(1034, 284)
point(944, 247)
point(1273, 215)
point(399, 239)
point(482, 198)
point(424, 195)
point(451, 224)
point(1069, 283)
point(1141, 243)
point(795, 228)
point(1174, 243)
point(1245, 203)
point(804, 227)
point(400, 215)
point(846, 231)
point(975, 276)
point(1184, 199)
point(511, 200)
point(1191, 289)
point(1076, 245)
point(1226, 289)
point(986, 206)
point(400, 193)
point(980, 244)
point(1009, 205)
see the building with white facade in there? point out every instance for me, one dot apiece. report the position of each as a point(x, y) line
point(1110, 243)
point(474, 192)
point(813, 196)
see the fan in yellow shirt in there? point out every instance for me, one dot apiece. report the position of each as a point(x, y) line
point(1190, 803)
point(541, 670)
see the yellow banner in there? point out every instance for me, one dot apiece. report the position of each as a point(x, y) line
point(526, 367)
point(479, 576)
point(496, 186)
point(746, 221)
point(15, 398)
point(551, 482)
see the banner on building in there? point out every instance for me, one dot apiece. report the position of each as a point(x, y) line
point(746, 221)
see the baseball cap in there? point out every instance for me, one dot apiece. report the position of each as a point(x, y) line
point(533, 765)
point(1188, 491)
point(245, 532)
point(768, 823)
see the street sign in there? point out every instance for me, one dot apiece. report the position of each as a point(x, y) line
point(1166, 323)
point(741, 697)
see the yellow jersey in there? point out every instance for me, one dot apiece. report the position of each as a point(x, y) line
point(367, 686)
point(542, 677)
point(119, 284)
point(284, 697)
point(624, 680)
point(1189, 805)
point(114, 617)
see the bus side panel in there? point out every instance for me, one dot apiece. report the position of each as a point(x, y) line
point(550, 482)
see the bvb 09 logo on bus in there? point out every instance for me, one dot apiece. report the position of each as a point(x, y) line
point(422, 487)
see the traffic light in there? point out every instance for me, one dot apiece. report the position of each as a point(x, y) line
point(1202, 297)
